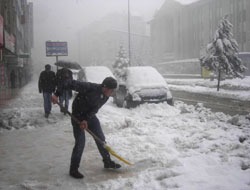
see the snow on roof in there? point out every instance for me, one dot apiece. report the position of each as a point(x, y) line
point(144, 77)
point(96, 74)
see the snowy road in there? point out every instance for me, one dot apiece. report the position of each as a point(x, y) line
point(216, 104)
point(182, 147)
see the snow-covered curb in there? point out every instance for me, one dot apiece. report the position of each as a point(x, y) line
point(235, 88)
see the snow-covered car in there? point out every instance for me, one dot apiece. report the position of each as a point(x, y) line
point(75, 73)
point(143, 84)
point(94, 74)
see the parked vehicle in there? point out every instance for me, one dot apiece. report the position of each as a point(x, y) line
point(245, 58)
point(94, 74)
point(75, 73)
point(143, 84)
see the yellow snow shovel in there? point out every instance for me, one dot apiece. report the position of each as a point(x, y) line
point(108, 148)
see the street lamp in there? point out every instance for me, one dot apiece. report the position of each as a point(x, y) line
point(129, 49)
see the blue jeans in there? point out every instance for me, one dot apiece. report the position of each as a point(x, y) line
point(79, 134)
point(65, 97)
point(47, 101)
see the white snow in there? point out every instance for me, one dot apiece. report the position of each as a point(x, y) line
point(144, 77)
point(230, 88)
point(182, 147)
point(96, 74)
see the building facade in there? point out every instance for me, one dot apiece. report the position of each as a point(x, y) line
point(16, 41)
point(100, 42)
point(183, 31)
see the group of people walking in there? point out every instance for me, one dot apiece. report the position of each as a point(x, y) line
point(89, 99)
point(49, 81)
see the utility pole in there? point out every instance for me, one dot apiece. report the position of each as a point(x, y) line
point(129, 48)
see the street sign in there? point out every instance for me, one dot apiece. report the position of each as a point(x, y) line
point(56, 48)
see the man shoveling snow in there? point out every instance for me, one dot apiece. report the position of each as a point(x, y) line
point(90, 98)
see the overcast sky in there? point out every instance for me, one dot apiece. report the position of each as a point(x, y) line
point(61, 19)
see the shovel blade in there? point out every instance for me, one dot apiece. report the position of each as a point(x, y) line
point(116, 155)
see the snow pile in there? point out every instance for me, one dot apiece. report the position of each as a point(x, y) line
point(238, 89)
point(227, 84)
point(26, 111)
point(185, 147)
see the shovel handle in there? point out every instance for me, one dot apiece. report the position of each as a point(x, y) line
point(78, 122)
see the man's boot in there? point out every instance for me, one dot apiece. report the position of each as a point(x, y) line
point(76, 174)
point(46, 115)
point(111, 164)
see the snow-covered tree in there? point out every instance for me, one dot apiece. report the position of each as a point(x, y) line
point(120, 65)
point(222, 53)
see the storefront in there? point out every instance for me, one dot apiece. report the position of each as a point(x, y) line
point(3, 70)
point(10, 60)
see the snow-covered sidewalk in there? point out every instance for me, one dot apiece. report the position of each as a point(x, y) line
point(182, 147)
point(238, 89)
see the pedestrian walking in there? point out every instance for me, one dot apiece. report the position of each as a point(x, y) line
point(13, 79)
point(61, 76)
point(20, 77)
point(47, 85)
point(90, 98)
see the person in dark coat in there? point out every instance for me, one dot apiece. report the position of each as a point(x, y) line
point(13, 79)
point(47, 85)
point(61, 76)
point(90, 98)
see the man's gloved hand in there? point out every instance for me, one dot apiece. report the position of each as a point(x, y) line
point(84, 125)
point(40, 91)
point(54, 99)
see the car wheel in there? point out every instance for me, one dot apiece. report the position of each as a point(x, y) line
point(129, 104)
point(125, 104)
point(170, 102)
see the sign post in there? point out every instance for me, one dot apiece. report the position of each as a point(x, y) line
point(56, 49)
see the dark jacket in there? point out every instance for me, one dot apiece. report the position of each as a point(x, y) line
point(88, 100)
point(47, 81)
point(62, 75)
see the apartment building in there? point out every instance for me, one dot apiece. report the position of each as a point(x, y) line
point(16, 41)
point(182, 31)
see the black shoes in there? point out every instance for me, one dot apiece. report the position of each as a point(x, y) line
point(46, 115)
point(63, 110)
point(107, 164)
point(76, 174)
point(111, 164)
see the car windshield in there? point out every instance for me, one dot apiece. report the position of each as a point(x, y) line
point(144, 77)
point(96, 74)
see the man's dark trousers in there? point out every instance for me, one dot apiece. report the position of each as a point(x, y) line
point(47, 101)
point(79, 134)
